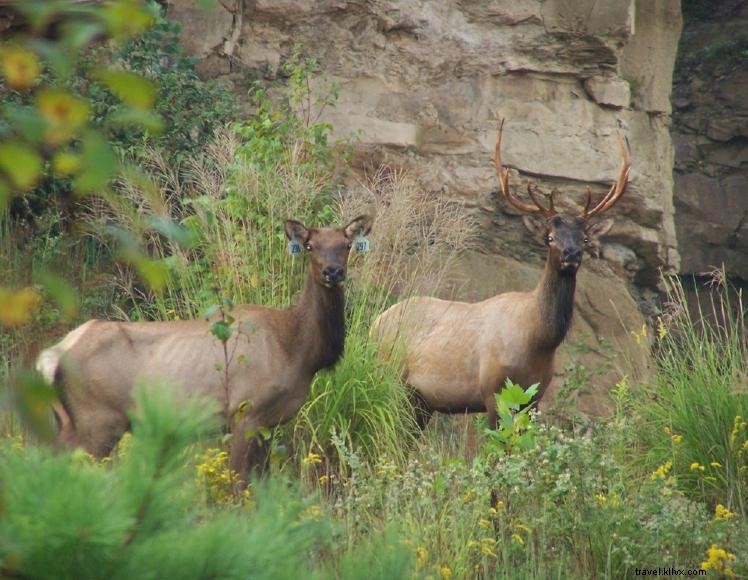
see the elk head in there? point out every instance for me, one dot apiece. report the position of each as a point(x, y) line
point(328, 248)
point(566, 237)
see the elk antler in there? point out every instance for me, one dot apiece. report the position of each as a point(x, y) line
point(503, 175)
point(616, 190)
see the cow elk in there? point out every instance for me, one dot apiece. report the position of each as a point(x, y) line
point(458, 355)
point(275, 356)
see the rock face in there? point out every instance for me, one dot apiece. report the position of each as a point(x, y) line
point(423, 84)
point(710, 132)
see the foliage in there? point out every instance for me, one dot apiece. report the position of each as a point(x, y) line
point(695, 412)
point(141, 517)
point(515, 428)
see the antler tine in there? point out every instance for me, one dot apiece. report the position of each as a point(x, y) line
point(588, 203)
point(619, 186)
point(503, 175)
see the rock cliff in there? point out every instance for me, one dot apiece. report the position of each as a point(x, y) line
point(710, 132)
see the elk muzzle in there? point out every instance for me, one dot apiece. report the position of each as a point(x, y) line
point(333, 275)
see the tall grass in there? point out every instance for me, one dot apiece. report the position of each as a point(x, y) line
point(697, 407)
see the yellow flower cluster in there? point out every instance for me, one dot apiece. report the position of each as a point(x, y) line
point(717, 560)
point(219, 479)
point(722, 513)
point(696, 466)
point(312, 458)
point(662, 471)
point(445, 572)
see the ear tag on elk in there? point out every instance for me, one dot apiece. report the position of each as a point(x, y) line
point(362, 243)
point(294, 247)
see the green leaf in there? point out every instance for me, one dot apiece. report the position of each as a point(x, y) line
point(148, 120)
point(221, 330)
point(133, 89)
point(185, 237)
point(62, 293)
point(99, 163)
point(514, 395)
point(21, 164)
point(210, 310)
point(34, 399)
point(5, 195)
point(26, 121)
point(155, 273)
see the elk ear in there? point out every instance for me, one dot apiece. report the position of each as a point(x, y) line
point(538, 226)
point(361, 226)
point(296, 230)
point(599, 228)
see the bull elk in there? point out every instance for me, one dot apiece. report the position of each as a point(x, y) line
point(276, 355)
point(458, 355)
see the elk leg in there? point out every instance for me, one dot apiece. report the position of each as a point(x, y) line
point(97, 433)
point(248, 451)
point(423, 411)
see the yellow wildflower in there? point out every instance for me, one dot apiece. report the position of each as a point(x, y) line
point(487, 546)
point(484, 523)
point(717, 558)
point(312, 458)
point(601, 498)
point(661, 329)
point(696, 466)
point(662, 470)
point(716, 464)
point(323, 479)
point(422, 556)
point(677, 438)
point(666, 430)
point(445, 572)
point(722, 513)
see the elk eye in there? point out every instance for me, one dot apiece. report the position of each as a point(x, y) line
point(308, 247)
point(586, 240)
point(549, 238)
point(350, 245)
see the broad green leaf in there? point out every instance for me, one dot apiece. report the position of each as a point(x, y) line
point(26, 122)
point(514, 395)
point(5, 195)
point(21, 164)
point(133, 89)
point(155, 273)
point(98, 164)
point(80, 34)
point(34, 399)
point(211, 310)
point(62, 293)
point(183, 236)
point(125, 18)
point(148, 120)
point(221, 330)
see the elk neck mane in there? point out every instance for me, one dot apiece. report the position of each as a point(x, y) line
point(320, 324)
point(555, 294)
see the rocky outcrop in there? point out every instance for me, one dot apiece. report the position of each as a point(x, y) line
point(710, 132)
point(423, 84)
